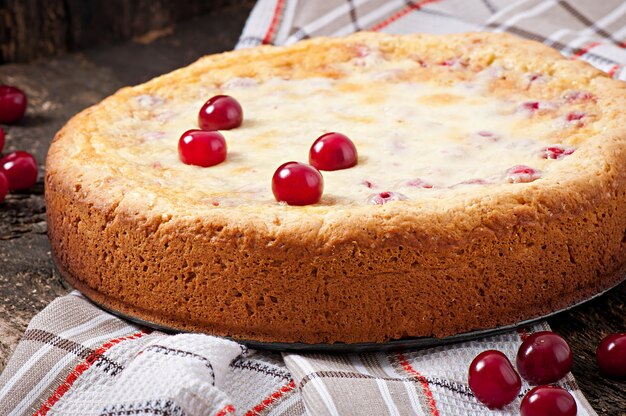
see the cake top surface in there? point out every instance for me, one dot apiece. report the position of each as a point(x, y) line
point(436, 120)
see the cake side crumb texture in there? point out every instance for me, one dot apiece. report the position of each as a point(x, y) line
point(485, 244)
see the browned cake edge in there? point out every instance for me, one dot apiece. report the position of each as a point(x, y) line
point(424, 279)
point(398, 272)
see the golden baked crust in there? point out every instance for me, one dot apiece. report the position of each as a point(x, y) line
point(457, 259)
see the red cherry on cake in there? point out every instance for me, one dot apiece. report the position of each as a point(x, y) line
point(530, 106)
point(369, 184)
point(12, 104)
point(4, 187)
point(20, 168)
point(575, 116)
point(573, 96)
point(555, 152)
point(202, 148)
point(382, 198)
point(611, 355)
point(1, 140)
point(493, 379)
point(522, 174)
point(221, 112)
point(544, 357)
point(333, 151)
point(419, 183)
point(548, 401)
point(297, 184)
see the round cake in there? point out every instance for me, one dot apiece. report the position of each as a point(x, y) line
point(490, 189)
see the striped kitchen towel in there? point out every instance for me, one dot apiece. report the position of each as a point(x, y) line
point(594, 31)
point(76, 359)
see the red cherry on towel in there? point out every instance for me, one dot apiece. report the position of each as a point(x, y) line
point(333, 151)
point(297, 184)
point(20, 168)
point(548, 401)
point(221, 112)
point(2, 140)
point(202, 148)
point(544, 357)
point(611, 355)
point(4, 187)
point(493, 379)
point(12, 104)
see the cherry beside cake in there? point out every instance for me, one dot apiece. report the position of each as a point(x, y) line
point(358, 189)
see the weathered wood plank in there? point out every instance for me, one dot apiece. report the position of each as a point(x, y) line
point(57, 89)
point(34, 28)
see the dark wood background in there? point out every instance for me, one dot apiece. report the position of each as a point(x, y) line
point(35, 28)
point(59, 87)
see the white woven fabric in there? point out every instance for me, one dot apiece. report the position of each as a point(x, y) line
point(75, 359)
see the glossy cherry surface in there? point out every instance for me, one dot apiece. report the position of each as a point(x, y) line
point(548, 401)
point(544, 357)
point(20, 168)
point(611, 355)
point(221, 112)
point(2, 140)
point(4, 186)
point(333, 151)
point(202, 148)
point(493, 379)
point(12, 104)
point(297, 184)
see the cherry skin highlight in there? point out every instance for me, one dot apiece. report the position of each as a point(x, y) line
point(611, 355)
point(202, 148)
point(20, 168)
point(12, 104)
point(493, 379)
point(221, 112)
point(544, 357)
point(297, 184)
point(333, 151)
point(548, 401)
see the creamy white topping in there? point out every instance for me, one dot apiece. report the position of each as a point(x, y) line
point(413, 138)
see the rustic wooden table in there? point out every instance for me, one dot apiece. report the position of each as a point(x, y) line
point(60, 87)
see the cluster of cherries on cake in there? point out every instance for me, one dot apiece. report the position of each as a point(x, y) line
point(542, 359)
point(293, 183)
point(18, 170)
point(296, 183)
